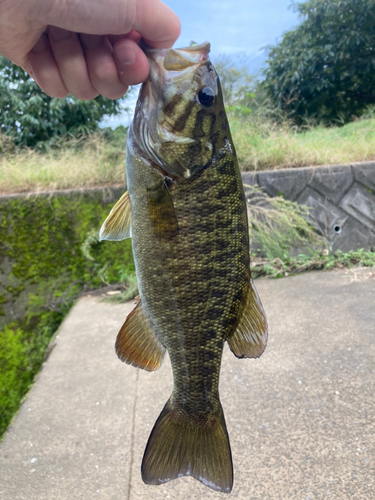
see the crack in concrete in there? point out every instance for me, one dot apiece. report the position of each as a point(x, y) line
point(132, 437)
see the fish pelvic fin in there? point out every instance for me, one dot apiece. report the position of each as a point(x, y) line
point(137, 343)
point(249, 339)
point(181, 445)
point(117, 225)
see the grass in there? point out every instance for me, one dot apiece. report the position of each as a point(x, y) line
point(261, 144)
point(315, 261)
point(278, 226)
point(78, 163)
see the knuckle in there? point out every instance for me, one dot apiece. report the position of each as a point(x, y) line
point(104, 71)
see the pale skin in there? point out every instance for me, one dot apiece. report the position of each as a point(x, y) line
point(85, 47)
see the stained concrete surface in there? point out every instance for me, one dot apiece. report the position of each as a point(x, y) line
point(300, 419)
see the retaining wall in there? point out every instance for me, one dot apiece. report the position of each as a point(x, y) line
point(342, 198)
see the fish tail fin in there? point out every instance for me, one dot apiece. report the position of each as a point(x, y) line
point(181, 445)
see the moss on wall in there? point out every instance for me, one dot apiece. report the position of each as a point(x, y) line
point(42, 270)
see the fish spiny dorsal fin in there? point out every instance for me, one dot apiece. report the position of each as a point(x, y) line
point(137, 343)
point(250, 337)
point(180, 445)
point(117, 225)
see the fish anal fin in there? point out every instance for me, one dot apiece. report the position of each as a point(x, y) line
point(161, 210)
point(117, 225)
point(181, 445)
point(249, 339)
point(137, 343)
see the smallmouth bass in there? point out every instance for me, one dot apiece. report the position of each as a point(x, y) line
point(185, 211)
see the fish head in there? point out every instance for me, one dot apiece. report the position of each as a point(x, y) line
point(177, 110)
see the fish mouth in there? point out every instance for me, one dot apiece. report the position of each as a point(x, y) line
point(177, 59)
point(166, 65)
point(179, 62)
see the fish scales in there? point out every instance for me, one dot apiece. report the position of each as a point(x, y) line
point(187, 214)
point(207, 285)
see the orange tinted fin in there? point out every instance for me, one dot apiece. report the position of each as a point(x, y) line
point(184, 445)
point(136, 342)
point(117, 225)
point(250, 337)
point(161, 210)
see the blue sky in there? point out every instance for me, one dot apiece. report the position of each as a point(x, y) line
point(239, 28)
point(233, 26)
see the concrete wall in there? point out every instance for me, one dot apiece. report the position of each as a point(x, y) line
point(342, 198)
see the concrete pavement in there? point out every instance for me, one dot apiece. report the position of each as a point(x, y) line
point(300, 419)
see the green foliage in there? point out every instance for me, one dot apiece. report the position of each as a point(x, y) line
point(238, 86)
point(129, 290)
point(15, 373)
point(21, 356)
point(312, 261)
point(326, 66)
point(31, 118)
point(41, 241)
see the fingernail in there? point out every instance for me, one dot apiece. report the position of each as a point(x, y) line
point(125, 53)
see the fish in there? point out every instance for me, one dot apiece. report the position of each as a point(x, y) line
point(185, 210)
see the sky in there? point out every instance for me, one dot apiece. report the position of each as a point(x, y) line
point(238, 28)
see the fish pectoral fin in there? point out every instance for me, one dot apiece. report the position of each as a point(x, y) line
point(117, 225)
point(137, 343)
point(161, 210)
point(249, 340)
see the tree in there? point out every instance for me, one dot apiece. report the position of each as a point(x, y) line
point(31, 117)
point(237, 84)
point(326, 66)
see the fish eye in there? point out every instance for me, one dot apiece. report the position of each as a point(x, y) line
point(206, 97)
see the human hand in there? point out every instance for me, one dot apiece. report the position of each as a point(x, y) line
point(85, 47)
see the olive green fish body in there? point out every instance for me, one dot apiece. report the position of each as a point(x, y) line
point(185, 210)
point(192, 282)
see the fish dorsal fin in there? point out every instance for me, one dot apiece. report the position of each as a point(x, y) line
point(161, 210)
point(250, 337)
point(137, 343)
point(117, 225)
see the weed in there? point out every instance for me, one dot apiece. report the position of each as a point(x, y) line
point(43, 271)
point(263, 138)
point(277, 225)
point(315, 261)
point(89, 161)
point(264, 143)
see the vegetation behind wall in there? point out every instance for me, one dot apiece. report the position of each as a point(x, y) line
point(42, 270)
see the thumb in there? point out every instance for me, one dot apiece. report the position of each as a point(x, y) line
point(154, 20)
